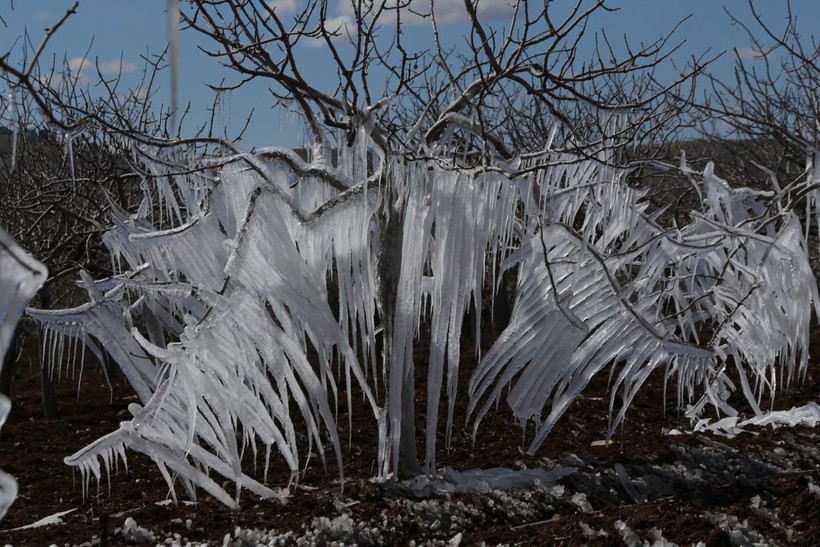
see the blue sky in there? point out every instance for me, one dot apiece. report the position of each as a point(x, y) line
point(116, 33)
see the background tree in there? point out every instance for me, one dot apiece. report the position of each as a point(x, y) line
point(760, 126)
point(65, 150)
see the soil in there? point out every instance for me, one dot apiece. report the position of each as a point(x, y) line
point(645, 486)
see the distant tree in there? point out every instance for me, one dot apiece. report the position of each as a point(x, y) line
point(769, 107)
point(58, 176)
point(65, 152)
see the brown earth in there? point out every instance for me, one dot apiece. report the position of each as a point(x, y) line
point(685, 488)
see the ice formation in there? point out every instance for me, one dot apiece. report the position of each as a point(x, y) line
point(50, 520)
point(253, 291)
point(20, 278)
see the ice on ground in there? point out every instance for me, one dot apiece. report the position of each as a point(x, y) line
point(484, 480)
point(590, 533)
point(807, 415)
point(634, 540)
point(134, 533)
point(56, 518)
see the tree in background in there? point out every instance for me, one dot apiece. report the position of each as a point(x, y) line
point(65, 151)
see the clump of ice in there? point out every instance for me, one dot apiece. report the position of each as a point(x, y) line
point(772, 514)
point(814, 489)
point(132, 532)
point(590, 533)
point(341, 530)
point(739, 531)
point(631, 539)
point(580, 500)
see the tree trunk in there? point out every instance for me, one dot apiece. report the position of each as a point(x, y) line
point(408, 456)
point(388, 271)
point(50, 410)
point(9, 367)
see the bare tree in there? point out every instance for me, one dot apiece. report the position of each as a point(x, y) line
point(437, 101)
point(770, 102)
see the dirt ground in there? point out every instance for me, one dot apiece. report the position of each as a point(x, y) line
point(644, 487)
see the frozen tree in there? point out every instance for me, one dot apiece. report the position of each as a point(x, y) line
point(256, 292)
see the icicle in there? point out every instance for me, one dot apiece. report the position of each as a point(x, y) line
point(15, 126)
point(68, 150)
point(173, 40)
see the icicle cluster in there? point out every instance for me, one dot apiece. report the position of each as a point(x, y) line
point(20, 278)
point(248, 300)
point(603, 284)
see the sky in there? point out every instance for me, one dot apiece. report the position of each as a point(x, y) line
point(117, 34)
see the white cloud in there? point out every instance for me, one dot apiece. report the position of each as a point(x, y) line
point(117, 66)
point(43, 15)
point(339, 27)
point(282, 6)
point(448, 12)
point(79, 66)
point(750, 53)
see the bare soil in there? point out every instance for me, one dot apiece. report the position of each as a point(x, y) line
point(684, 488)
